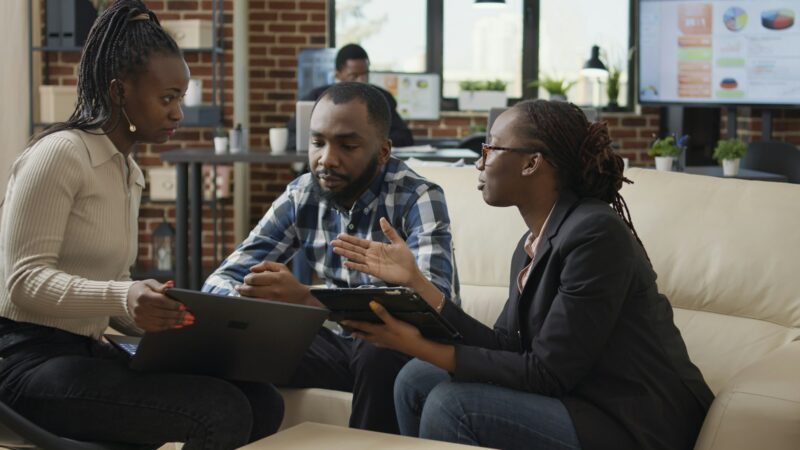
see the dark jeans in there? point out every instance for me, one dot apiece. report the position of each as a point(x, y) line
point(352, 365)
point(81, 388)
point(431, 406)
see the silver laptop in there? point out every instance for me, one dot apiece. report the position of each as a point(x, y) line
point(235, 338)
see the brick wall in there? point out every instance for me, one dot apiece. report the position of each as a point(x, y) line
point(631, 131)
point(785, 125)
point(278, 30)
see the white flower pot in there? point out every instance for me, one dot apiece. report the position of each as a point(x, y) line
point(220, 145)
point(481, 100)
point(664, 163)
point(730, 167)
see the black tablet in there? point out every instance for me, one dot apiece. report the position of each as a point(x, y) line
point(402, 303)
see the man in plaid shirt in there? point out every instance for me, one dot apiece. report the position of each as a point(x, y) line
point(353, 182)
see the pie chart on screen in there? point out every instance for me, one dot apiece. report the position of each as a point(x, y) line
point(777, 19)
point(735, 18)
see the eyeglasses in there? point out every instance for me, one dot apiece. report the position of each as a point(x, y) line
point(486, 148)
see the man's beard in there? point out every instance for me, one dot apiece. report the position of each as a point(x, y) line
point(352, 188)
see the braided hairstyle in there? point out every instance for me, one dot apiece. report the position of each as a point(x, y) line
point(119, 45)
point(580, 151)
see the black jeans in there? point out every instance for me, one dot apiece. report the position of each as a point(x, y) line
point(80, 388)
point(352, 365)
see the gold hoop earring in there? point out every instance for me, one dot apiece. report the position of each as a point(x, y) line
point(131, 126)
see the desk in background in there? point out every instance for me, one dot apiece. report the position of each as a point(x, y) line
point(189, 199)
point(744, 174)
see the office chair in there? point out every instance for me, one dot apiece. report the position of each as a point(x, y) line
point(493, 113)
point(775, 157)
point(17, 433)
point(473, 142)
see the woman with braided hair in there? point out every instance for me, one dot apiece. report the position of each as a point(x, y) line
point(585, 353)
point(68, 237)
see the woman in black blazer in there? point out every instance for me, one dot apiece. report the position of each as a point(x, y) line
point(585, 353)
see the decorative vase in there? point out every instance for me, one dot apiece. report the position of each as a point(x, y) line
point(730, 167)
point(664, 163)
point(557, 97)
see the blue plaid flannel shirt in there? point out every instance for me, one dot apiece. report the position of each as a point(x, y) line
point(301, 220)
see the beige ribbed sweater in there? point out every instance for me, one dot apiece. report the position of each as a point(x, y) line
point(68, 234)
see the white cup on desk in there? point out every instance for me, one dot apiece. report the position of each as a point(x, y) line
point(278, 138)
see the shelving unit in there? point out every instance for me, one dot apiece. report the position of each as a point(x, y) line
point(217, 69)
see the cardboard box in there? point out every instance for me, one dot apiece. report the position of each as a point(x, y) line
point(162, 183)
point(190, 33)
point(56, 103)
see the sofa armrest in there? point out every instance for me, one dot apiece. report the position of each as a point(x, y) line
point(759, 407)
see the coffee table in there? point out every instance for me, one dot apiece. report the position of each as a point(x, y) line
point(315, 436)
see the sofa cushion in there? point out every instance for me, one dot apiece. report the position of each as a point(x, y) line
point(720, 245)
point(726, 255)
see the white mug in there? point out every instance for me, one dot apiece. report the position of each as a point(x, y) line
point(194, 93)
point(220, 145)
point(278, 138)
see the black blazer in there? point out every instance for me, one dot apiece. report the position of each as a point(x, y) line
point(591, 329)
point(398, 131)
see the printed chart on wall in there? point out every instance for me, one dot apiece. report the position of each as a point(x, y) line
point(743, 52)
point(417, 94)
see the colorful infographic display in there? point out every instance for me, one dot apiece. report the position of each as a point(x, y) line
point(719, 52)
point(417, 94)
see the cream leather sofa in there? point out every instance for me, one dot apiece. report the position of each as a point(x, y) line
point(727, 253)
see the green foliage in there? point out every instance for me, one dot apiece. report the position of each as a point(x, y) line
point(220, 132)
point(614, 74)
point(476, 128)
point(665, 147)
point(481, 85)
point(730, 149)
point(552, 85)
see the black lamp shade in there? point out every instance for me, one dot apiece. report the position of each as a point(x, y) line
point(594, 61)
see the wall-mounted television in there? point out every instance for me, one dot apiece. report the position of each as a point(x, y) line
point(719, 52)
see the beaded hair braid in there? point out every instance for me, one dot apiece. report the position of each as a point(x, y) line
point(119, 45)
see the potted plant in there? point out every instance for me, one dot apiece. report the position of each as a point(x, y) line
point(482, 95)
point(665, 150)
point(612, 89)
point(730, 152)
point(556, 87)
point(220, 140)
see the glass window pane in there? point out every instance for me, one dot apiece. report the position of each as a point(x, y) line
point(392, 32)
point(568, 30)
point(482, 43)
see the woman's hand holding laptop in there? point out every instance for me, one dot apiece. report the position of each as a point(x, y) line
point(274, 281)
point(151, 310)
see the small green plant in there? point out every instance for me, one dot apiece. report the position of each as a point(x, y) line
point(479, 85)
point(665, 147)
point(553, 86)
point(220, 132)
point(614, 74)
point(729, 149)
